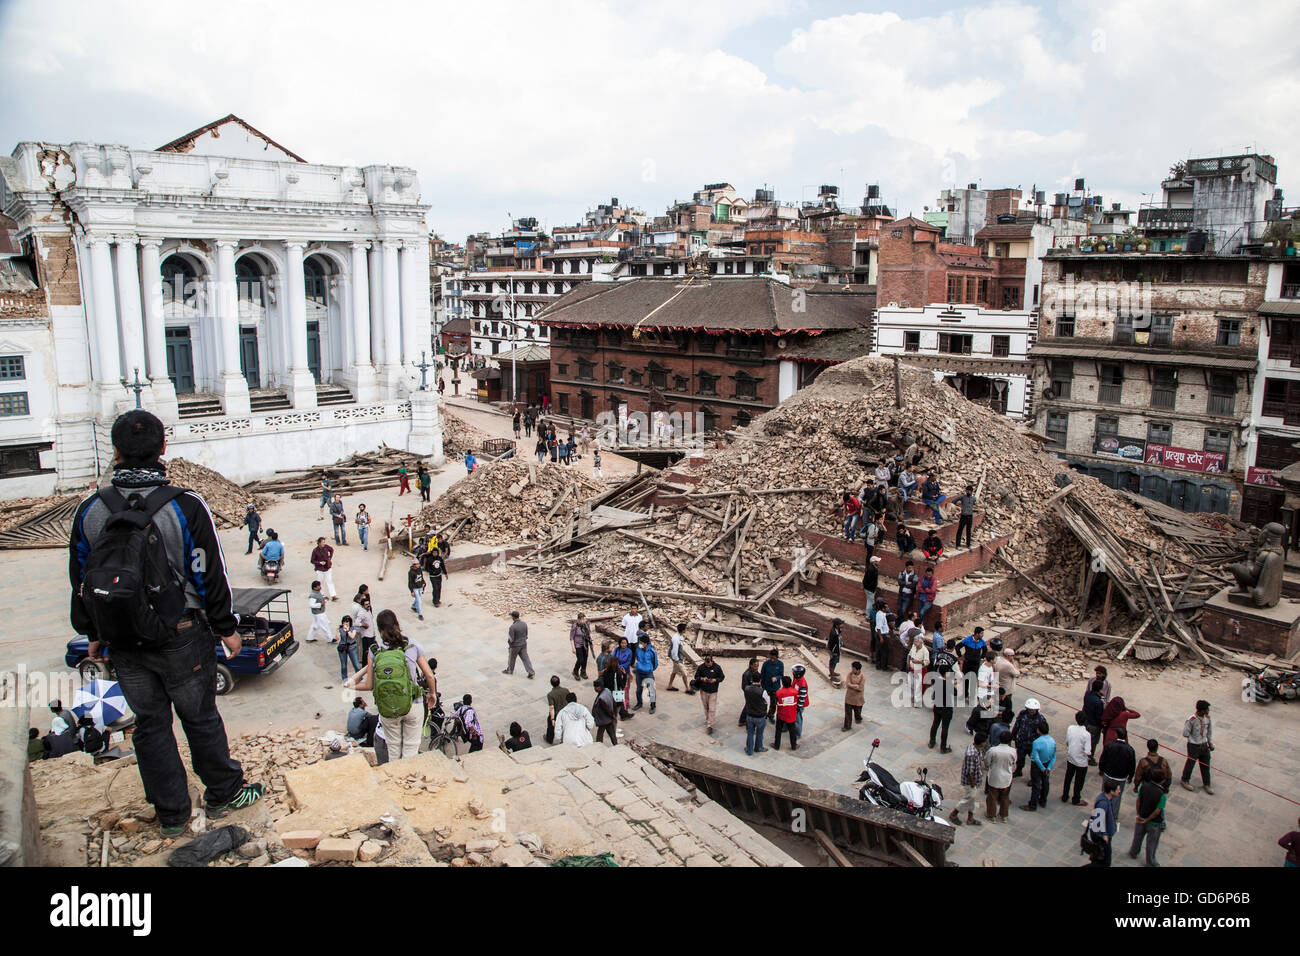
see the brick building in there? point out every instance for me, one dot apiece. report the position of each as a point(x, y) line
point(916, 267)
point(1144, 370)
point(706, 347)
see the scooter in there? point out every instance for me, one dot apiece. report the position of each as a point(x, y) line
point(1264, 687)
point(879, 788)
point(270, 571)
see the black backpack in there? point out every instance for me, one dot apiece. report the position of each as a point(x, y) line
point(128, 586)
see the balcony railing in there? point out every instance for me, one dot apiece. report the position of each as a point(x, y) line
point(1163, 397)
point(1164, 214)
point(1291, 290)
point(1222, 405)
point(1110, 394)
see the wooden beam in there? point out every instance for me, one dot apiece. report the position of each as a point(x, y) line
point(834, 852)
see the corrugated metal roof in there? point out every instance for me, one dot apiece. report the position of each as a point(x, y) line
point(1280, 308)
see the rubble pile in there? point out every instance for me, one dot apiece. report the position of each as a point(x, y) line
point(21, 509)
point(227, 501)
point(362, 471)
point(510, 501)
point(459, 436)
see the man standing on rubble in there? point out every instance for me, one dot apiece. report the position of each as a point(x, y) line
point(967, 520)
point(852, 508)
point(174, 670)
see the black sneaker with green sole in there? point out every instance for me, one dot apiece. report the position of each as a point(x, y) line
point(246, 796)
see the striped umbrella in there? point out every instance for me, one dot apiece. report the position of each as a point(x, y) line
point(102, 701)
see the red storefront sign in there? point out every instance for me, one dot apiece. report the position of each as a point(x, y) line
point(1261, 476)
point(1188, 459)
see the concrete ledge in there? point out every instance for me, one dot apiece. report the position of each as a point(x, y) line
point(19, 826)
point(951, 566)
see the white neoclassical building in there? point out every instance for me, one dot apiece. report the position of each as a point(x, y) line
point(274, 311)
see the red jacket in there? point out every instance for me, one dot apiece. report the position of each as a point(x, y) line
point(928, 588)
point(787, 709)
point(801, 685)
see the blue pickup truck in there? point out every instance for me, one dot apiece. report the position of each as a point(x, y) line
point(264, 628)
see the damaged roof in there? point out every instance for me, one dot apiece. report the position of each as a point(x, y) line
point(760, 304)
point(183, 144)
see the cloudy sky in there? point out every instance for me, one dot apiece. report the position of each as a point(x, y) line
point(549, 107)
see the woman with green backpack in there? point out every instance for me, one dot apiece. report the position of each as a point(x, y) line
point(392, 674)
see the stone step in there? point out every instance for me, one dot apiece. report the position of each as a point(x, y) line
point(952, 564)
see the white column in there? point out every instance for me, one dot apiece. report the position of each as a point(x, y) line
point(375, 272)
point(391, 372)
point(364, 384)
point(104, 337)
point(301, 384)
point(155, 340)
point(231, 385)
point(416, 333)
point(130, 314)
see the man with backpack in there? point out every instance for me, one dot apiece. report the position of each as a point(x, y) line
point(149, 580)
point(435, 565)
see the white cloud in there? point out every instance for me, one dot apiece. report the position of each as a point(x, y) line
point(545, 109)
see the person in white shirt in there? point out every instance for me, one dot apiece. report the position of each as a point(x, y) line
point(881, 646)
point(574, 723)
point(918, 659)
point(1078, 748)
point(631, 623)
point(319, 620)
point(986, 683)
point(677, 656)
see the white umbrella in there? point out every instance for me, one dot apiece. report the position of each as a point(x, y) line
point(101, 701)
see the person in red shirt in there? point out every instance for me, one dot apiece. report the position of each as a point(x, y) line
point(801, 688)
point(852, 512)
point(787, 712)
point(932, 546)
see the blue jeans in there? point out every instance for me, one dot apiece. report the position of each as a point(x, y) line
point(182, 677)
point(341, 534)
point(541, 456)
point(754, 728)
point(904, 604)
point(346, 654)
point(933, 504)
point(415, 601)
point(924, 607)
point(850, 527)
point(363, 533)
point(903, 491)
point(642, 679)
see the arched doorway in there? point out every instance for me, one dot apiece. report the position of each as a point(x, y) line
point(327, 351)
point(189, 332)
point(263, 347)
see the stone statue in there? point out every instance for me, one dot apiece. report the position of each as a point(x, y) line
point(1259, 579)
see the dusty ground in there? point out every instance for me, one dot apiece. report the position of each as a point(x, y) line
point(1239, 825)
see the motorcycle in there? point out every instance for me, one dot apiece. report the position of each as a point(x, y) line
point(271, 571)
point(1265, 686)
point(920, 798)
